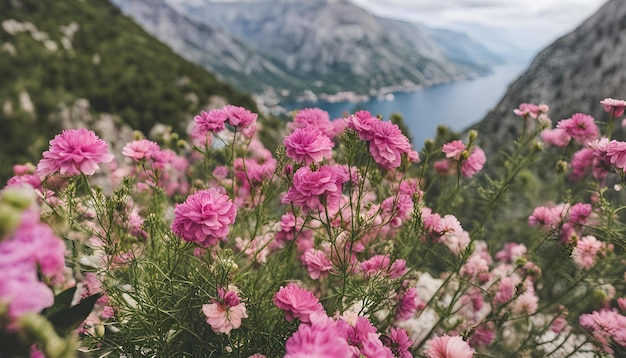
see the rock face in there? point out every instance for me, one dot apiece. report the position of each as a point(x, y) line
point(572, 75)
point(326, 46)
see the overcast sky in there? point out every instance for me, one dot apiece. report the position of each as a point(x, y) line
point(531, 24)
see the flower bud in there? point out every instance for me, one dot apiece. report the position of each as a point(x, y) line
point(429, 145)
point(473, 134)
point(18, 197)
point(10, 218)
point(538, 146)
point(561, 166)
point(137, 135)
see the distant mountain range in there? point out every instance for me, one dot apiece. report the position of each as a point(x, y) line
point(572, 75)
point(286, 48)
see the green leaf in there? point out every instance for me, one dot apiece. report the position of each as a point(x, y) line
point(69, 319)
point(61, 301)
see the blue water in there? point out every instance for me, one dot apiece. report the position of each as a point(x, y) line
point(457, 105)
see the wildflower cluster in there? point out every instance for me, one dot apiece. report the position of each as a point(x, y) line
point(344, 242)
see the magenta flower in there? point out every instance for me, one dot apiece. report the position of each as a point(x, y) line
point(310, 188)
point(239, 116)
point(614, 107)
point(608, 328)
point(388, 144)
point(399, 342)
point(140, 149)
point(297, 302)
point(362, 122)
point(454, 149)
point(308, 145)
point(581, 127)
point(73, 152)
point(317, 263)
point(204, 217)
point(558, 137)
point(408, 304)
point(474, 163)
point(225, 313)
point(449, 347)
point(526, 110)
point(210, 122)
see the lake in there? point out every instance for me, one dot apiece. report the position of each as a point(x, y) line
point(456, 104)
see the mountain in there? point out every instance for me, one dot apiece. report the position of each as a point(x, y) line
point(571, 75)
point(324, 46)
point(462, 49)
point(73, 61)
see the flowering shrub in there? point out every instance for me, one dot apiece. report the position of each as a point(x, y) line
point(346, 242)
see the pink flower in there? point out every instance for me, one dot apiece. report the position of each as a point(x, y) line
point(210, 122)
point(362, 122)
point(399, 342)
point(310, 188)
point(408, 304)
point(314, 117)
point(474, 163)
point(204, 217)
point(579, 213)
point(616, 152)
point(526, 110)
point(308, 145)
point(225, 313)
point(448, 347)
point(317, 263)
point(585, 252)
point(614, 107)
point(322, 338)
point(297, 303)
point(548, 218)
point(558, 137)
point(239, 116)
point(381, 264)
point(388, 144)
point(140, 149)
point(581, 127)
point(511, 252)
point(73, 152)
point(608, 328)
point(454, 149)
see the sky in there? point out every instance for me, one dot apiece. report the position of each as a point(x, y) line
point(530, 24)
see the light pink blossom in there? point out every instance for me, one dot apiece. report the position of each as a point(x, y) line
point(558, 137)
point(311, 188)
point(73, 152)
point(210, 122)
point(225, 313)
point(297, 302)
point(474, 163)
point(449, 347)
point(140, 149)
point(454, 149)
point(616, 152)
point(314, 117)
point(239, 117)
point(586, 251)
point(614, 107)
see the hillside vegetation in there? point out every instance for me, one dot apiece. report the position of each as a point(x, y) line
point(55, 52)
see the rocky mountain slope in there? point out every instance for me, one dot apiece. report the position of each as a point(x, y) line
point(323, 46)
point(571, 75)
point(81, 62)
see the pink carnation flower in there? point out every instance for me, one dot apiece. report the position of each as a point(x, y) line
point(616, 153)
point(210, 122)
point(362, 122)
point(448, 347)
point(453, 149)
point(239, 116)
point(581, 127)
point(310, 188)
point(308, 145)
point(531, 110)
point(614, 107)
point(73, 152)
point(297, 302)
point(608, 328)
point(388, 144)
point(317, 263)
point(225, 313)
point(314, 117)
point(399, 342)
point(204, 217)
point(586, 251)
point(474, 163)
point(140, 149)
point(322, 338)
